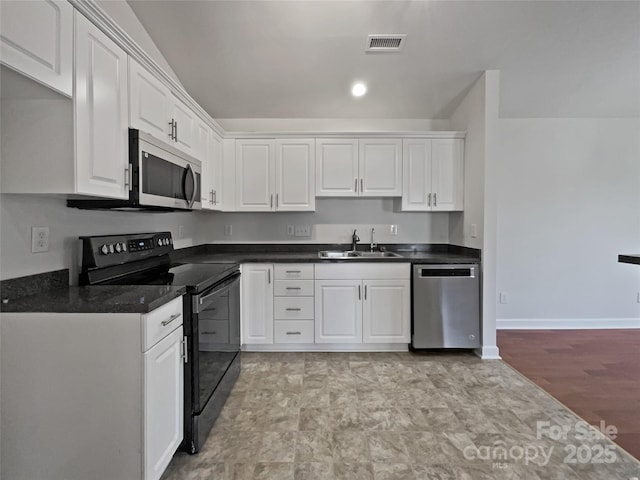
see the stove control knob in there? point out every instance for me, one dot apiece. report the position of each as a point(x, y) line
point(160, 242)
point(124, 247)
point(170, 241)
point(118, 247)
point(104, 249)
point(111, 249)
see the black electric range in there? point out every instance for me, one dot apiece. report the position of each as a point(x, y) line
point(211, 311)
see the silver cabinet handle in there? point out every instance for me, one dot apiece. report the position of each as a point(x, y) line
point(293, 288)
point(293, 271)
point(271, 201)
point(361, 185)
point(185, 349)
point(365, 292)
point(359, 293)
point(211, 196)
point(171, 130)
point(435, 199)
point(293, 309)
point(429, 200)
point(128, 177)
point(356, 185)
point(208, 333)
point(269, 276)
point(277, 201)
point(215, 197)
point(294, 333)
point(164, 323)
point(175, 126)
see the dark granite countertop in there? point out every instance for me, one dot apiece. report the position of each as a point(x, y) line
point(634, 259)
point(95, 299)
point(308, 253)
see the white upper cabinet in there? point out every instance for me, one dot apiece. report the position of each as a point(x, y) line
point(295, 171)
point(155, 110)
point(336, 167)
point(150, 103)
point(255, 175)
point(184, 126)
point(209, 151)
point(274, 175)
point(368, 167)
point(433, 177)
point(36, 39)
point(380, 167)
point(100, 108)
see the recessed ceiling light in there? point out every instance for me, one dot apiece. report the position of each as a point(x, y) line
point(358, 89)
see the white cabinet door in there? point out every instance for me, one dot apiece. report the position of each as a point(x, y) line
point(184, 134)
point(386, 316)
point(150, 103)
point(36, 39)
point(257, 303)
point(101, 104)
point(447, 168)
point(163, 403)
point(202, 152)
point(254, 175)
point(295, 175)
point(337, 167)
point(416, 177)
point(380, 167)
point(216, 171)
point(338, 311)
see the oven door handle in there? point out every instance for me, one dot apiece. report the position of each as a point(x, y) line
point(219, 290)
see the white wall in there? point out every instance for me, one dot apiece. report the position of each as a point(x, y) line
point(569, 203)
point(477, 114)
point(332, 222)
point(121, 13)
point(18, 213)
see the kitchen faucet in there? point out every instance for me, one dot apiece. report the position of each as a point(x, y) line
point(373, 244)
point(354, 239)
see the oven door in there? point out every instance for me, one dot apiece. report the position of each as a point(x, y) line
point(216, 331)
point(166, 179)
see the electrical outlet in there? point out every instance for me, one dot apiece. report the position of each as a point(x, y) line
point(39, 239)
point(474, 230)
point(302, 230)
point(394, 229)
point(503, 297)
point(228, 230)
point(290, 230)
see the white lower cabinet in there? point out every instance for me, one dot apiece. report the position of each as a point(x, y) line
point(363, 303)
point(326, 306)
point(97, 395)
point(257, 303)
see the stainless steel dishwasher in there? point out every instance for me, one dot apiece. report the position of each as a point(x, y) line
point(446, 306)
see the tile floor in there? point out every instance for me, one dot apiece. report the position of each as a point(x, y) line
point(352, 416)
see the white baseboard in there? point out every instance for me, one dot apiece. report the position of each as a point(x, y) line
point(489, 352)
point(566, 323)
point(326, 347)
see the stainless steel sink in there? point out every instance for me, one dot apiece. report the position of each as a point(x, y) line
point(338, 255)
point(378, 254)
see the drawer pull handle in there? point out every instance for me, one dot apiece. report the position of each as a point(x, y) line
point(294, 271)
point(208, 333)
point(294, 333)
point(171, 319)
point(293, 309)
point(293, 288)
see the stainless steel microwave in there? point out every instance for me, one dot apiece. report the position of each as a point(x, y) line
point(161, 178)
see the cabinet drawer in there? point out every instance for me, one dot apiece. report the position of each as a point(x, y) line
point(293, 331)
point(158, 323)
point(213, 331)
point(299, 308)
point(291, 271)
point(293, 288)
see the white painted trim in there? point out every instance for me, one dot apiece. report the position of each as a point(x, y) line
point(346, 134)
point(488, 352)
point(328, 347)
point(565, 323)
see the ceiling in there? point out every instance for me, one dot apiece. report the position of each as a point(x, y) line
point(298, 59)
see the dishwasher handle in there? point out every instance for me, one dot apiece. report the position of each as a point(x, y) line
point(443, 271)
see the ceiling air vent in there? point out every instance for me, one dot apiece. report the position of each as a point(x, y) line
point(391, 42)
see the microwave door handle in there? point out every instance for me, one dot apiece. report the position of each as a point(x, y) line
point(192, 200)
